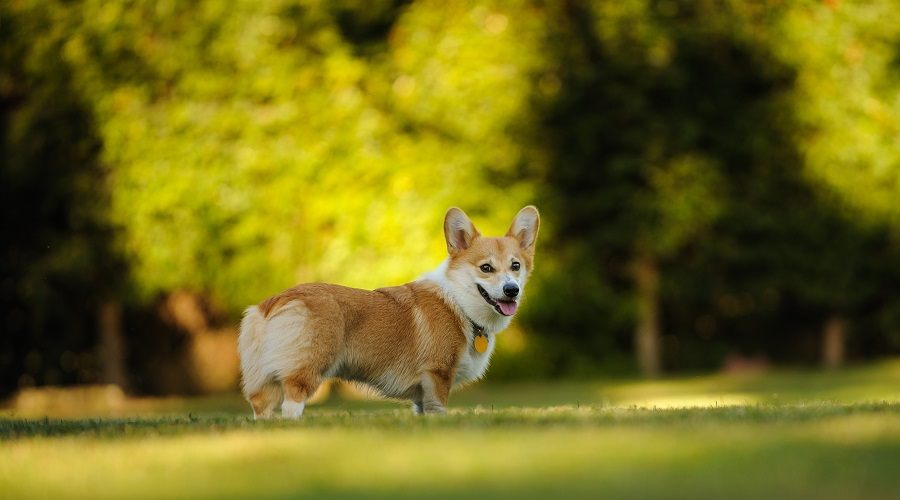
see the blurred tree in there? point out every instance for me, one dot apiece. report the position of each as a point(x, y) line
point(258, 146)
point(673, 165)
point(716, 177)
point(638, 144)
point(59, 267)
point(847, 99)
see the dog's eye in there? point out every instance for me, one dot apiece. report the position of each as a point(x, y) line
point(515, 266)
point(487, 268)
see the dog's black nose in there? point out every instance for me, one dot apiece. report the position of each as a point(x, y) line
point(511, 290)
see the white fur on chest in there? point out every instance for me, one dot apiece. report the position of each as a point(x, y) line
point(472, 364)
point(471, 307)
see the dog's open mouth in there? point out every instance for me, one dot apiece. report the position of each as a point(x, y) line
point(504, 307)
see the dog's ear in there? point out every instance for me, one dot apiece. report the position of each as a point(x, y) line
point(458, 230)
point(525, 227)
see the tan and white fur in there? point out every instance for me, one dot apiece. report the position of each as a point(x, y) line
point(414, 341)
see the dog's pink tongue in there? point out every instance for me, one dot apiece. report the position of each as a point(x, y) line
point(508, 308)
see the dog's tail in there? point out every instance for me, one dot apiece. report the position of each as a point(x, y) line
point(250, 343)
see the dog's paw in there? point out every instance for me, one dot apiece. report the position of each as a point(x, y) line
point(292, 409)
point(434, 409)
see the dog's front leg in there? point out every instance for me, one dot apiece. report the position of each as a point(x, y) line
point(435, 391)
point(418, 407)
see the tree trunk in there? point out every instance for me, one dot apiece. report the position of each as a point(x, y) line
point(647, 329)
point(834, 339)
point(112, 352)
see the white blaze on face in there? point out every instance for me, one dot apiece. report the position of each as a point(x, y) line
point(509, 280)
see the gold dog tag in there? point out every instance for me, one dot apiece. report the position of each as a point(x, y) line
point(480, 343)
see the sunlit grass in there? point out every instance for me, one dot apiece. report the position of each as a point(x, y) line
point(827, 451)
point(781, 435)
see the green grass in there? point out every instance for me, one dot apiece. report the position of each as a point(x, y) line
point(784, 435)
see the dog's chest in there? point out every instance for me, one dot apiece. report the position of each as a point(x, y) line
point(473, 364)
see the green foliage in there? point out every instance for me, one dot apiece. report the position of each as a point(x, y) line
point(256, 146)
point(848, 100)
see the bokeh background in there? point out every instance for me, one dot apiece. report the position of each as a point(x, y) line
point(718, 180)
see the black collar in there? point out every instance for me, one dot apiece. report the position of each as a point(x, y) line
point(480, 340)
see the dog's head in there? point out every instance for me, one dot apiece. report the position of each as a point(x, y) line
point(488, 275)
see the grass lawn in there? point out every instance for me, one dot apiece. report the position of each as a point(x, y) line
point(781, 435)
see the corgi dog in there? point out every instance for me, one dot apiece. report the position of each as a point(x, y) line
point(410, 342)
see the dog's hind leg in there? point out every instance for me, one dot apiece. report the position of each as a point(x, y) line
point(322, 340)
point(302, 382)
point(298, 387)
point(303, 339)
point(263, 393)
point(265, 400)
